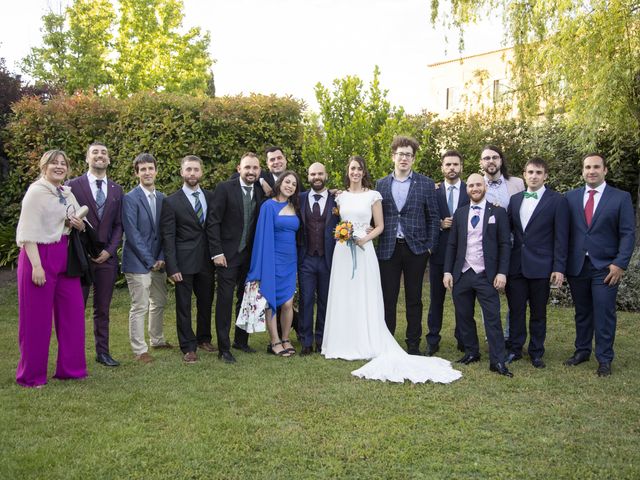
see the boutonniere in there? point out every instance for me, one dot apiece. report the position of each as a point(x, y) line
point(335, 211)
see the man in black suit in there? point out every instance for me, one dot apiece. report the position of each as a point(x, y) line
point(476, 265)
point(451, 194)
point(231, 228)
point(186, 251)
point(539, 220)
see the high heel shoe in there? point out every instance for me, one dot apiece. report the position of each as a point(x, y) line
point(282, 353)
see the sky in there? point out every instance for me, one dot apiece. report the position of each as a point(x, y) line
point(286, 47)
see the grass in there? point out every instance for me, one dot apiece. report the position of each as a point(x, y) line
point(267, 417)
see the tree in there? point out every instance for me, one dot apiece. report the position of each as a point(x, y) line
point(579, 58)
point(352, 121)
point(78, 51)
point(154, 56)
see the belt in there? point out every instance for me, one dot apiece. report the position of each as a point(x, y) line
point(401, 240)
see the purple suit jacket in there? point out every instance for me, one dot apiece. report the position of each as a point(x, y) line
point(109, 228)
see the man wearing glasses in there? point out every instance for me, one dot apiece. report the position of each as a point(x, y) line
point(411, 228)
point(500, 185)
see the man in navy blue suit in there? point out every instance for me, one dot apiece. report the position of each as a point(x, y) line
point(143, 260)
point(601, 241)
point(476, 266)
point(315, 257)
point(451, 194)
point(411, 228)
point(539, 220)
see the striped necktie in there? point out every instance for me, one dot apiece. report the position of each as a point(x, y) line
point(198, 208)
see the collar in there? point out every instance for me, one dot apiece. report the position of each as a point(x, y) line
point(540, 191)
point(599, 188)
point(458, 185)
point(501, 179)
point(482, 204)
point(146, 191)
point(324, 193)
point(92, 178)
point(189, 193)
point(243, 184)
point(409, 177)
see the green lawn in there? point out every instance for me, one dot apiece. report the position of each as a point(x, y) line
point(268, 417)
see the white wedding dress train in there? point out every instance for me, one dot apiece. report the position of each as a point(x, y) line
point(354, 327)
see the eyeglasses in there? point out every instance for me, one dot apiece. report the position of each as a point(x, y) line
point(61, 199)
point(404, 156)
point(492, 157)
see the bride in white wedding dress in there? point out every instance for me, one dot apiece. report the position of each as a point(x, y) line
point(354, 327)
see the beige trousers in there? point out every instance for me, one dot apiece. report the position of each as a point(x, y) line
point(148, 294)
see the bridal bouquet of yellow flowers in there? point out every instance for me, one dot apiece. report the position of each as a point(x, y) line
point(343, 232)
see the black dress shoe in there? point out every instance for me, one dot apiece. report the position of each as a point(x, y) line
point(306, 351)
point(538, 362)
point(577, 359)
point(512, 357)
point(467, 359)
point(226, 357)
point(106, 360)
point(500, 368)
point(244, 348)
point(604, 369)
point(432, 350)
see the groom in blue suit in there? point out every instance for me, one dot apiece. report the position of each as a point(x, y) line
point(315, 256)
point(539, 221)
point(601, 241)
point(143, 260)
point(411, 228)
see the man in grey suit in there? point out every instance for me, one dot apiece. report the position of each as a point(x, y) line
point(143, 260)
point(411, 228)
point(186, 253)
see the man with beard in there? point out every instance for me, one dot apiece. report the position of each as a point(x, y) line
point(500, 185)
point(476, 266)
point(104, 199)
point(315, 257)
point(186, 252)
point(452, 194)
point(231, 228)
point(276, 164)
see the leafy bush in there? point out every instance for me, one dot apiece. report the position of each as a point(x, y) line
point(169, 126)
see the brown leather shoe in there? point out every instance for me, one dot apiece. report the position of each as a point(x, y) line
point(190, 357)
point(207, 347)
point(164, 346)
point(144, 358)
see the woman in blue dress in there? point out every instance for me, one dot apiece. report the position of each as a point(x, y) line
point(274, 258)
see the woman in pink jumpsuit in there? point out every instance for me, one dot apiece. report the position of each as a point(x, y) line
point(45, 292)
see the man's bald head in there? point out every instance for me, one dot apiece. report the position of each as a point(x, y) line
point(476, 187)
point(317, 176)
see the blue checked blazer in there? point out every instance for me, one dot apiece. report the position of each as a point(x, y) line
point(420, 218)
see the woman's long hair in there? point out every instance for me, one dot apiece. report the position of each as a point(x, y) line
point(366, 178)
point(293, 199)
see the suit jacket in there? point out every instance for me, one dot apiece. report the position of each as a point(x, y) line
point(184, 240)
point(142, 243)
point(541, 248)
point(224, 226)
point(331, 221)
point(419, 217)
point(496, 242)
point(611, 237)
point(109, 228)
point(438, 254)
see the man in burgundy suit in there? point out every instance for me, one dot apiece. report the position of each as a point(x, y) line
point(104, 199)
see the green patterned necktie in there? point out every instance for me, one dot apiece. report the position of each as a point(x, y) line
point(198, 208)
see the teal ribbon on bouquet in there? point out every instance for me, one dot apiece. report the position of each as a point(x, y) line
point(354, 258)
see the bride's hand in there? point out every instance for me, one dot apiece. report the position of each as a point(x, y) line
point(361, 241)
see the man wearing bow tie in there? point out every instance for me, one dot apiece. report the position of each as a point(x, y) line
point(104, 199)
point(500, 185)
point(539, 220)
point(602, 237)
point(476, 266)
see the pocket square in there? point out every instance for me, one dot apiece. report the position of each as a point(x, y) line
point(492, 219)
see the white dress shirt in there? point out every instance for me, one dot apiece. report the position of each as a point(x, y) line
point(94, 187)
point(322, 202)
point(528, 206)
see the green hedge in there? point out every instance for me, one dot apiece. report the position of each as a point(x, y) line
point(168, 126)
